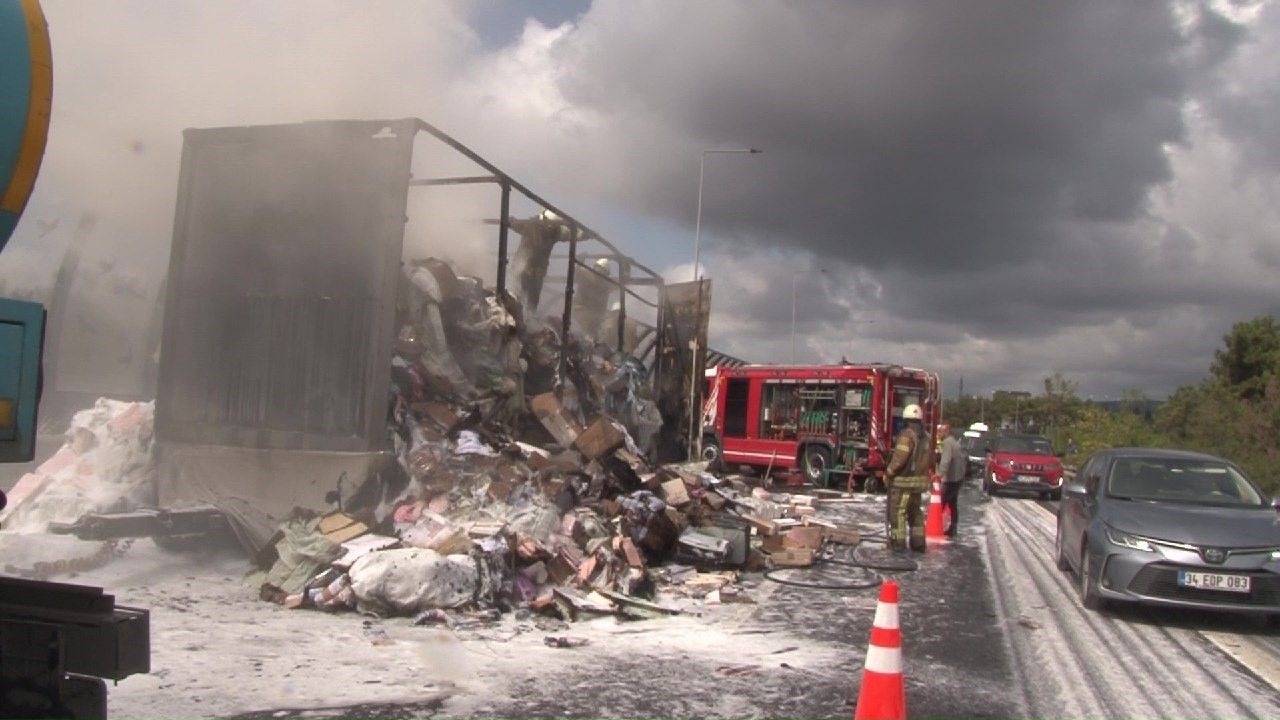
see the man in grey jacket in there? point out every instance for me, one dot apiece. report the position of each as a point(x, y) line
point(952, 464)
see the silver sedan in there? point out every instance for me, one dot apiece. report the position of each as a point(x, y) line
point(1171, 528)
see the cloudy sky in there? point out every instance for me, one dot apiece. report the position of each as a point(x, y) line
point(996, 190)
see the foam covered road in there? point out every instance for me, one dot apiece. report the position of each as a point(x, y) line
point(1126, 662)
point(990, 629)
point(793, 652)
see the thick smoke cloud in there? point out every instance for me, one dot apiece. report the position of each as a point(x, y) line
point(1000, 190)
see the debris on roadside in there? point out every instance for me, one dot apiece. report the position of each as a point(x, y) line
point(511, 489)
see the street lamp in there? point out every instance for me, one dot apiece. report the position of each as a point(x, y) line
point(702, 167)
point(695, 414)
point(794, 277)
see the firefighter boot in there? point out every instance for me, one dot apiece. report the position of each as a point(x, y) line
point(915, 517)
point(917, 539)
point(895, 535)
point(899, 518)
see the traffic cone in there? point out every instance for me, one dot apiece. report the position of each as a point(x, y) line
point(882, 695)
point(933, 526)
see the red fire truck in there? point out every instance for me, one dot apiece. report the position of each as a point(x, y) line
point(814, 417)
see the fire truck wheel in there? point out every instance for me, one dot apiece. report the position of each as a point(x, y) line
point(817, 460)
point(711, 453)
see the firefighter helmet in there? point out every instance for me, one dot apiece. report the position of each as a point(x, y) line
point(912, 412)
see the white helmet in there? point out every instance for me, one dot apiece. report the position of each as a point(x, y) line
point(912, 412)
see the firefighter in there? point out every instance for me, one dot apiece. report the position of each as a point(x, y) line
point(907, 477)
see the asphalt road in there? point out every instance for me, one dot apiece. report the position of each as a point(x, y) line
point(1124, 662)
point(990, 629)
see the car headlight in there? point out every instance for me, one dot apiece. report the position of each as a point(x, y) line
point(1130, 541)
point(1005, 463)
point(1275, 554)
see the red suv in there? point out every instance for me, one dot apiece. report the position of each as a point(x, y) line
point(1023, 463)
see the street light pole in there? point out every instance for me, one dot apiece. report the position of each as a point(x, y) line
point(697, 223)
point(695, 413)
point(794, 277)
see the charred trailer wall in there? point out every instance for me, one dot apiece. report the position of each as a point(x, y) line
point(280, 299)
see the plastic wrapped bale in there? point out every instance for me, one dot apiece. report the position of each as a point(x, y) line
point(537, 519)
point(409, 580)
point(105, 465)
point(496, 582)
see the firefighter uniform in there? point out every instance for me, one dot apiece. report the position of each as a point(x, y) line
point(908, 478)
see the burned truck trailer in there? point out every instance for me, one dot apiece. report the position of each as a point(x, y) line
point(281, 311)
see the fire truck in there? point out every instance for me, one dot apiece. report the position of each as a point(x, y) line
point(818, 418)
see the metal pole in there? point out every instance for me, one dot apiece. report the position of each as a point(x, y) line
point(503, 222)
point(568, 299)
point(794, 277)
point(697, 223)
point(695, 412)
point(695, 432)
point(624, 272)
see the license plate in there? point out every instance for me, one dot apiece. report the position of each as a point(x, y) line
point(1026, 479)
point(1213, 581)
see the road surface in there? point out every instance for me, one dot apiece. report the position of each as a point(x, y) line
point(1126, 662)
point(990, 629)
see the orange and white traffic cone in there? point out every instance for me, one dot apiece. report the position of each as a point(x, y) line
point(933, 525)
point(882, 695)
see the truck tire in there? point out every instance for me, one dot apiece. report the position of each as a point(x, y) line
point(712, 453)
point(817, 460)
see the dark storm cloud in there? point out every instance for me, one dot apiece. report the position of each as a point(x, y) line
point(923, 135)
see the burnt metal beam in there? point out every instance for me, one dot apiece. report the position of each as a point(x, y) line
point(568, 301)
point(623, 271)
point(503, 225)
point(471, 155)
point(468, 180)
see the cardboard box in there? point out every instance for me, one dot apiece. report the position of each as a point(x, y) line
point(762, 526)
point(340, 528)
point(632, 553)
point(600, 438)
point(794, 557)
point(715, 500)
point(807, 537)
point(562, 426)
point(675, 493)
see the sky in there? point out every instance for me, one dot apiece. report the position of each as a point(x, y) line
point(998, 191)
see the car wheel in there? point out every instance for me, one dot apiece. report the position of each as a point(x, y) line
point(816, 461)
point(1089, 596)
point(1061, 561)
point(872, 484)
point(1055, 495)
point(711, 453)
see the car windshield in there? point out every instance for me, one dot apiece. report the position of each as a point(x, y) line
point(1024, 446)
point(975, 445)
point(1176, 480)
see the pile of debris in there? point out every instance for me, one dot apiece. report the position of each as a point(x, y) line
point(518, 490)
point(523, 479)
point(518, 530)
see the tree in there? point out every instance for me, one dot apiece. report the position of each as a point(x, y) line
point(1235, 413)
point(1251, 355)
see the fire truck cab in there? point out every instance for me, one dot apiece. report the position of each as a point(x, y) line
point(819, 418)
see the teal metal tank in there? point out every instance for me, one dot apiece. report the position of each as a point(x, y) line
point(26, 91)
